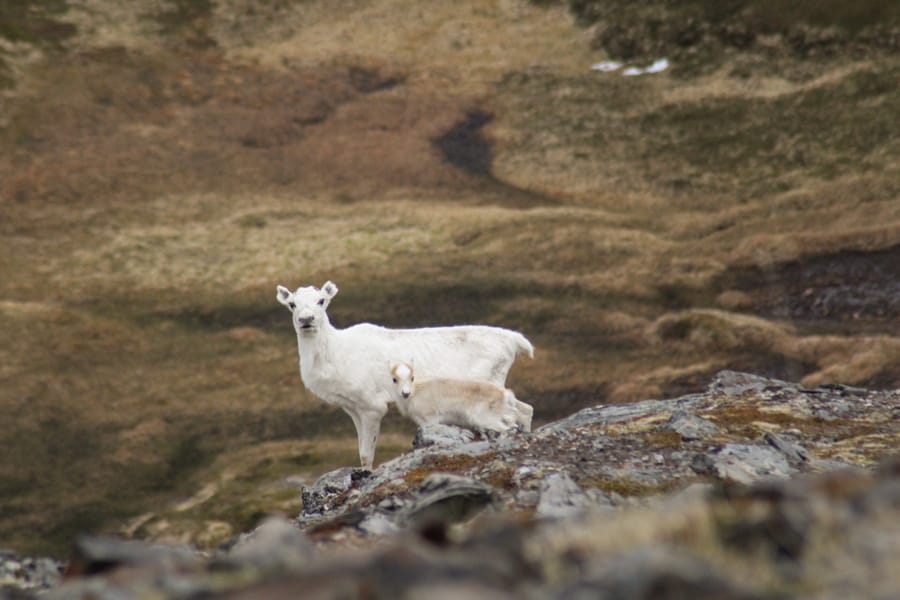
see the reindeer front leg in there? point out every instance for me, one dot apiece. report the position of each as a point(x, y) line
point(367, 432)
point(358, 424)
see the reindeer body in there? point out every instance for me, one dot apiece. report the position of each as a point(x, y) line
point(461, 402)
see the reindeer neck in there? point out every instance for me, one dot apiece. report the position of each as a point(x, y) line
point(315, 347)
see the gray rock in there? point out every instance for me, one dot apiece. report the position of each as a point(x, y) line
point(560, 496)
point(392, 503)
point(379, 524)
point(276, 544)
point(837, 408)
point(397, 468)
point(689, 426)
point(98, 554)
point(527, 498)
point(658, 572)
point(745, 463)
point(606, 415)
point(28, 573)
point(692, 495)
point(447, 498)
point(795, 454)
point(327, 489)
point(703, 464)
point(844, 390)
point(441, 435)
point(734, 383)
point(531, 474)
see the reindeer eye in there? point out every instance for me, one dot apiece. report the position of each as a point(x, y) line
point(291, 305)
point(395, 379)
point(321, 301)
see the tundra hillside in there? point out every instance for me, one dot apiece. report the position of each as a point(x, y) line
point(163, 165)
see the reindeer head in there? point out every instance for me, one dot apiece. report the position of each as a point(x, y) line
point(307, 305)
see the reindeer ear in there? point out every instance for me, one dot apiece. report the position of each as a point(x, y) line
point(283, 294)
point(329, 289)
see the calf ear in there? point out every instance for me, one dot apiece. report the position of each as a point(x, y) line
point(330, 290)
point(283, 294)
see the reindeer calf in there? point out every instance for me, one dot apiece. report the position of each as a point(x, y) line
point(470, 404)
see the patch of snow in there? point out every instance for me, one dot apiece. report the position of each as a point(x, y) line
point(606, 66)
point(657, 67)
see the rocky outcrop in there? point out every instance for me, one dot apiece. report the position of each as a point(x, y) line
point(23, 574)
point(756, 488)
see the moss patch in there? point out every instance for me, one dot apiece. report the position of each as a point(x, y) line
point(628, 487)
point(662, 439)
point(749, 422)
point(457, 463)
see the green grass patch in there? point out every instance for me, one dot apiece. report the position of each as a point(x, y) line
point(35, 22)
point(755, 142)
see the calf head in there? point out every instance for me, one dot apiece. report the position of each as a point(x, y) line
point(307, 305)
point(404, 379)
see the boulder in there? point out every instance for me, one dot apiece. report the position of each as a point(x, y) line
point(690, 426)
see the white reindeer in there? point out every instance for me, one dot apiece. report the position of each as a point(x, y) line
point(346, 367)
point(465, 403)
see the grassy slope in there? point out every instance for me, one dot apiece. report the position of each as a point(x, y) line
point(162, 171)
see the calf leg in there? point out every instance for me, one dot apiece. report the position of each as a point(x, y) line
point(484, 419)
point(525, 413)
point(522, 412)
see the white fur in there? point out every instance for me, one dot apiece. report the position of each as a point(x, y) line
point(466, 403)
point(346, 367)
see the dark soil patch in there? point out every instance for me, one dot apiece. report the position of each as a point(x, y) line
point(223, 318)
point(369, 81)
point(424, 305)
point(698, 35)
point(858, 288)
point(775, 366)
point(886, 379)
point(556, 404)
point(465, 146)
